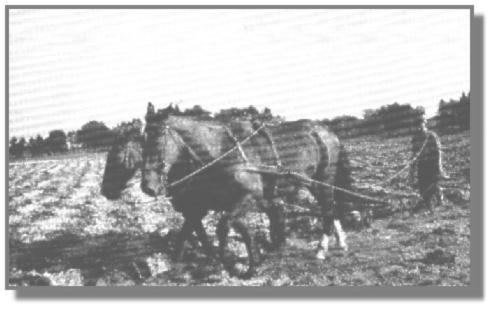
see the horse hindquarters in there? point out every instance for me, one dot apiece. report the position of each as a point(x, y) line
point(330, 172)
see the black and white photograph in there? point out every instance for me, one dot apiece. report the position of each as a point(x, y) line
point(272, 147)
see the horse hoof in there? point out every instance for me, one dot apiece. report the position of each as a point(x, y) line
point(320, 255)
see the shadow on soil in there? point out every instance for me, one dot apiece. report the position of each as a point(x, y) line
point(109, 259)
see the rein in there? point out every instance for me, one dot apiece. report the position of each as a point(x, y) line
point(273, 169)
point(408, 164)
point(270, 169)
point(276, 171)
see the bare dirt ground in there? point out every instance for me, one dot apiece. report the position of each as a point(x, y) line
point(62, 231)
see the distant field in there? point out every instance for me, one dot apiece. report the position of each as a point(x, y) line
point(64, 232)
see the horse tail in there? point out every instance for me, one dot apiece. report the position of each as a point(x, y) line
point(343, 179)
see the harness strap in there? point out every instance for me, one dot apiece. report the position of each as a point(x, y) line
point(290, 173)
point(209, 164)
point(237, 144)
point(267, 134)
point(189, 149)
point(408, 164)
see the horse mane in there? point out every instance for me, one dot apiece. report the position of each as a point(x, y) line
point(175, 120)
point(179, 121)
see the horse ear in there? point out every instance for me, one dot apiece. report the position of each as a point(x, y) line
point(150, 109)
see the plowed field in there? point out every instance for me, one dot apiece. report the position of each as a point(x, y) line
point(62, 231)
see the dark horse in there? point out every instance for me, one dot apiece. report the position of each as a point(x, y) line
point(177, 146)
point(122, 162)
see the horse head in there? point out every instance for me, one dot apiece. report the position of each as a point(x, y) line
point(161, 151)
point(123, 160)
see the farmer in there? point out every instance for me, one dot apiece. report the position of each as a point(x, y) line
point(428, 164)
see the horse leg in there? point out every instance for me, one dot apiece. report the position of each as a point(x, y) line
point(330, 224)
point(275, 212)
point(339, 209)
point(232, 220)
point(340, 235)
point(185, 233)
point(203, 238)
point(242, 229)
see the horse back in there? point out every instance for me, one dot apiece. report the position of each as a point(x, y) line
point(304, 146)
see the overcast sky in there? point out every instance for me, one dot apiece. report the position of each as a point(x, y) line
point(67, 67)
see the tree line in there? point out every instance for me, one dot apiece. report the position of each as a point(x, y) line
point(96, 136)
point(92, 136)
point(389, 120)
point(402, 119)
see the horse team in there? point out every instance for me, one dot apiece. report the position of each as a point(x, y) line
point(207, 165)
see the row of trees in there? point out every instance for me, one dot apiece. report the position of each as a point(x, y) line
point(453, 115)
point(93, 135)
point(390, 120)
point(402, 119)
point(56, 142)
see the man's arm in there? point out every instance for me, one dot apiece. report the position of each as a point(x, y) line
point(440, 156)
point(413, 165)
